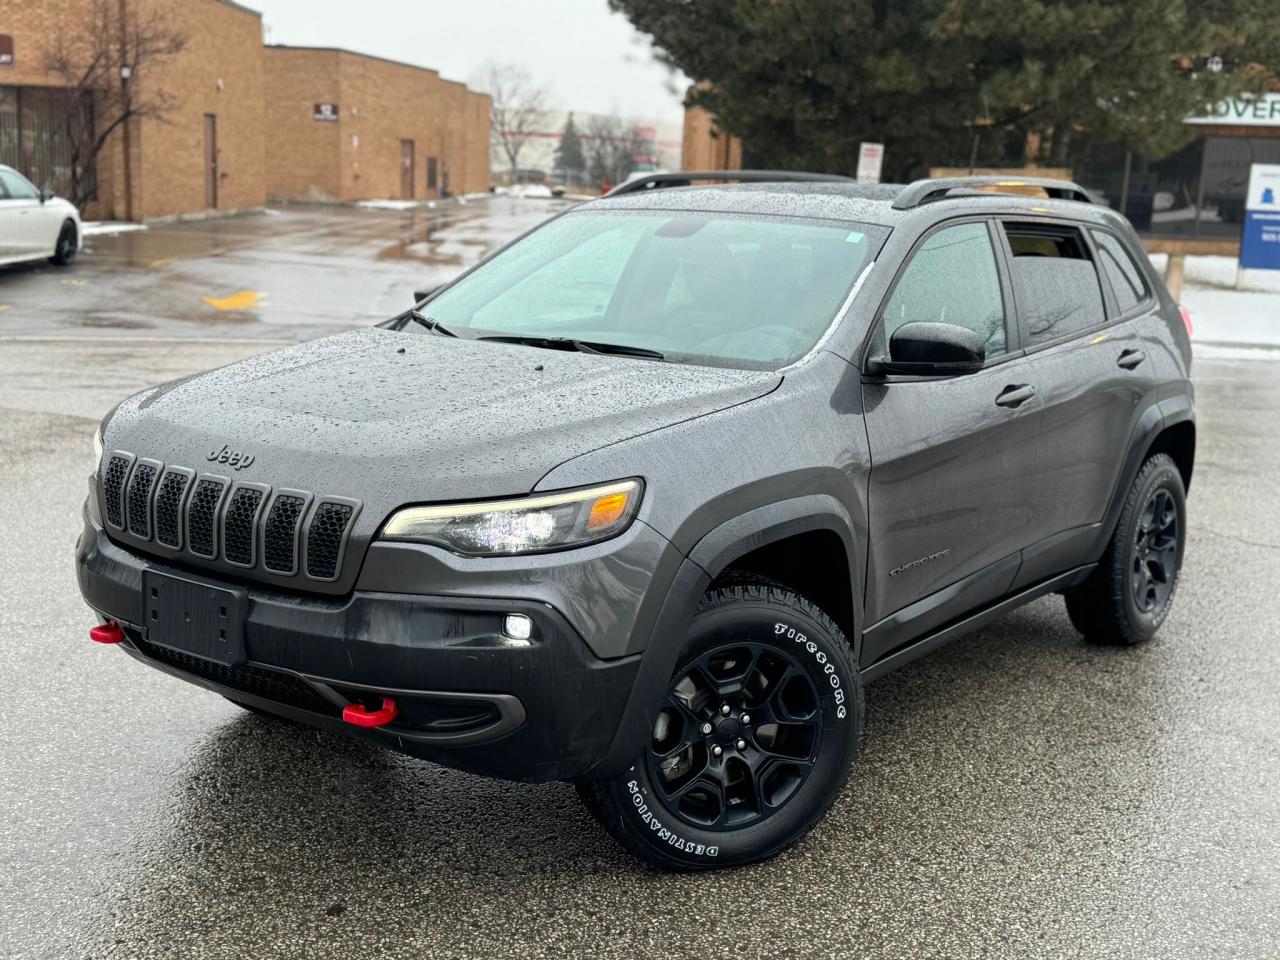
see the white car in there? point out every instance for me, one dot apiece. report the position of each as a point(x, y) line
point(35, 224)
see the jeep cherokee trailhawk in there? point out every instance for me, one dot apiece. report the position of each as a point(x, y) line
point(642, 500)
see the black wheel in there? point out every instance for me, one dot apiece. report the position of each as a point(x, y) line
point(755, 736)
point(65, 251)
point(1131, 591)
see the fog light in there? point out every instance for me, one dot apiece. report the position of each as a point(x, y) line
point(517, 627)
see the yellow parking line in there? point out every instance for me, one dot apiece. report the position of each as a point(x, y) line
point(162, 262)
point(244, 300)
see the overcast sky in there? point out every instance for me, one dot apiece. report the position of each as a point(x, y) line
point(589, 58)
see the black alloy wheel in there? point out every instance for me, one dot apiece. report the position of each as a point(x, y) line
point(65, 249)
point(1155, 552)
point(748, 743)
point(736, 738)
point(1131, 590)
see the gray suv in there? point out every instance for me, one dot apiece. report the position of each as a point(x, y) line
point(644, 499)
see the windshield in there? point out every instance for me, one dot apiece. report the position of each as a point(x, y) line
point(727, 290)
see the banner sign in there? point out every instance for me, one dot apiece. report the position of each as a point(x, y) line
point(325, 113)
point(1260, 243)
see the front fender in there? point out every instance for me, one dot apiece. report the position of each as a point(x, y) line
point(710, 556)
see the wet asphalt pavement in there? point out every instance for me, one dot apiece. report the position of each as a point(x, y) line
point(1019, 794)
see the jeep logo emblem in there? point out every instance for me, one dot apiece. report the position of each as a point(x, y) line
point(236, 461)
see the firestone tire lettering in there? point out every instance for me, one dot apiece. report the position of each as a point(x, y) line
point(829, 668)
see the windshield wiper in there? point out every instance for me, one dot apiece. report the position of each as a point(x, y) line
point(435, 326)
point(582, 346)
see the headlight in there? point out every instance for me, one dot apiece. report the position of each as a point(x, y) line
point(549, 521)
point(97, 449)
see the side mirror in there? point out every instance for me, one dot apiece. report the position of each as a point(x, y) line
point(46, 195)
point(933, 350)
point(420, 295)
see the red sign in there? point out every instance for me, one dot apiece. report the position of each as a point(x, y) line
point(6, 50)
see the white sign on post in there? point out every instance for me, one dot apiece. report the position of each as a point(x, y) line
point(870, 160)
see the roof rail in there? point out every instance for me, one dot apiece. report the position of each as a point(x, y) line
point(924, 191)
point(684, 178)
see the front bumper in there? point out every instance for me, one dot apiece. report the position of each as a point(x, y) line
point(468, 697)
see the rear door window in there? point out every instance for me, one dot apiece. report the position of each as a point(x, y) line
point(1124, 274)
point(1055, 282)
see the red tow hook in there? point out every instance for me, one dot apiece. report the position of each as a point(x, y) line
point(359, 715)
point(108, 632)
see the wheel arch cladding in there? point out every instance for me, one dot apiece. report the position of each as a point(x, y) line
point(813, 563)
point(1178, 440)
point(805, 543)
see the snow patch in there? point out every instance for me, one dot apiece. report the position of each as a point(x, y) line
point(105, 228)
point(1219, 272)
point(526, 191)
point(389, 204)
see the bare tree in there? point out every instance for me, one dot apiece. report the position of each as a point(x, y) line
point(519, 107)
point(611, 146)
point(103, 62)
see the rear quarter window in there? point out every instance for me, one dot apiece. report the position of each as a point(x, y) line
point(1122, 272)
point(1055, 282)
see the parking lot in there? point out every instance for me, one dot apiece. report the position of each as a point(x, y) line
point(1019, 794)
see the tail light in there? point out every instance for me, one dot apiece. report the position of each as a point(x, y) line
point(1186, 319)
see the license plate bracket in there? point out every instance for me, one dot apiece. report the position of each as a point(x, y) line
point(196, 617)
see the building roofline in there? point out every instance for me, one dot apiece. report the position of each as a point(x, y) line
point(367, 56)
point(241, 7)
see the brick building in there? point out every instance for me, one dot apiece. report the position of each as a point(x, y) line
point(227, 144)
point(351, 127)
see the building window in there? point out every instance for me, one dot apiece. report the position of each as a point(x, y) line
point(38, 139)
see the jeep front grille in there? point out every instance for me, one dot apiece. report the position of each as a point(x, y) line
point(280, 534)
point(113, 488)
point(202, 517)
point(325, 538)
point(139, 500)
point(291, 533)
point(168, 506)
point(240, 524)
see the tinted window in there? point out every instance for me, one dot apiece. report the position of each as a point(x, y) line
point(701, 288)
point(1126, 279)
point(952, 279)
point(18, 186)
point(1054, 281)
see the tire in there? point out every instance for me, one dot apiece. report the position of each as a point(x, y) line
point(65, 251)
point(753, 646)
point(1131, 592)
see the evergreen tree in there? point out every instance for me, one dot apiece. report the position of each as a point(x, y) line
point(802, 82)
point(569, 156)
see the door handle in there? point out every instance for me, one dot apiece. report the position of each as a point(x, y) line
point(1131, 358)
point(1015, 394)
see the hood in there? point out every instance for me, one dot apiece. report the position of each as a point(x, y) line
point(389, 418)
point(417, 417)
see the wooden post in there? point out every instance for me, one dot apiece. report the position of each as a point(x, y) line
point(1173, 274)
